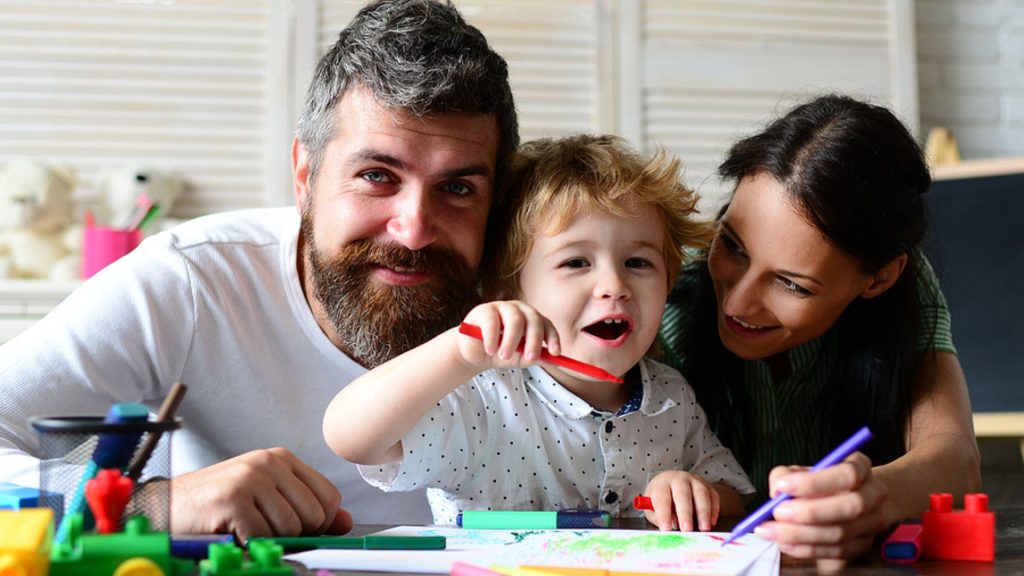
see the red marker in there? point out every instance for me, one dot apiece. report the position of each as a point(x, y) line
point(473, 331)
point(642, 503)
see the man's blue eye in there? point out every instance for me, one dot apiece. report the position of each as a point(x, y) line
point(376, 176)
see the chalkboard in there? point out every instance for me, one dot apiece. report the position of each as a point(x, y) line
point(977, 246)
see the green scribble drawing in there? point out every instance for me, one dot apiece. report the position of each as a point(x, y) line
point(606, 547)
point(520, 536)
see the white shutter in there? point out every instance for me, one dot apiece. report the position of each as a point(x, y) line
point(552, 50)
point(714, 71)
point(178, 86)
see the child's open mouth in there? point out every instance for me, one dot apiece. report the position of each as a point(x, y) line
point(609, 328)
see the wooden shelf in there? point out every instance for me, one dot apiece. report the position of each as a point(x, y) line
point(979, 168)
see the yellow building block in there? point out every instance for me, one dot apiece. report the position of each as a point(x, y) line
point(25, 540)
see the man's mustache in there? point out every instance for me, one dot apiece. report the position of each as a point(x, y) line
point(429, 260)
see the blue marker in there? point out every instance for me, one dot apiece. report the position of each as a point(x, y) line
point(112, 451)
point(766, 509)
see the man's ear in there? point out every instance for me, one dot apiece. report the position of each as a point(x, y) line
point(301, 175)
point(885, 277)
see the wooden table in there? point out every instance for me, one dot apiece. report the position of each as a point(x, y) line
point(1009, 553)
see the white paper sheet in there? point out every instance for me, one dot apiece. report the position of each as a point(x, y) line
point(696, 553)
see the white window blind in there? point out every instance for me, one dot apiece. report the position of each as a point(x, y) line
point(552, 49)
point(179, 86)
point(209, 89)
point(714, 71)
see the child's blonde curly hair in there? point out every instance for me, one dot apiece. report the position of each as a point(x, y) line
point(552, 180)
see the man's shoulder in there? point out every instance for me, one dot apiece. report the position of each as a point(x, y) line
point(258, 227)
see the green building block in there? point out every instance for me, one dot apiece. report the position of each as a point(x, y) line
point(227, 560)
point(102, 554)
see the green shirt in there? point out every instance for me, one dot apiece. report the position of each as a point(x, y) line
point(786, 415)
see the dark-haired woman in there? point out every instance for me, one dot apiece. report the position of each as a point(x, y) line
point(815, 314)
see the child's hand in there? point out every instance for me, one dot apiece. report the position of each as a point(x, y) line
point(679, 496)
point(504, 325)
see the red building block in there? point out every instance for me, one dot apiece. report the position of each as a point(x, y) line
point(968, 534)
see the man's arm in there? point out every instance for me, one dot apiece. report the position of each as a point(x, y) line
point(126, 335)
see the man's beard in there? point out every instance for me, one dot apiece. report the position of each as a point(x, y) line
point(376, 321)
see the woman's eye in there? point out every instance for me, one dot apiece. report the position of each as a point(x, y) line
point(728, 243)
point(793, 287)
point(458, 189)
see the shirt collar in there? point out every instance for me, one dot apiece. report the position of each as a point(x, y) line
point(654, 397)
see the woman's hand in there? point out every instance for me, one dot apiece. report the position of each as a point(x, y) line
point(834, 513)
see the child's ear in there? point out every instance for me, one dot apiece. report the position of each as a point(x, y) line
point(885, 277)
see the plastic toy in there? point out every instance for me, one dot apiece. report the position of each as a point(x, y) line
point(134, 552)
point(108, 494)
point(25, 540)
point(14, 497)
point(969, 534)
point(226, 560)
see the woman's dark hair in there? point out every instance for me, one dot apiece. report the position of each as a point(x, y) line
point(860, 178)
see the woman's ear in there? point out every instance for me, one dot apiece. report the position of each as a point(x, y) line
point(885, 277)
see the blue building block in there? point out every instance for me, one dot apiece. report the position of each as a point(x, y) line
point(14, 497)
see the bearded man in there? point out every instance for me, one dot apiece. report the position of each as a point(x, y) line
point(266, 313)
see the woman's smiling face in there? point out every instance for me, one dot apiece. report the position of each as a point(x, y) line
point(778, 281)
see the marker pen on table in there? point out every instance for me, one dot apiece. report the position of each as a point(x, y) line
point(530, 519)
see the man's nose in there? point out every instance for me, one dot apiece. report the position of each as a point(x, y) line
point(413, 222)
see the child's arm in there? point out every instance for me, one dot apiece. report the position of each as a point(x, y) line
point(679, 497)
point(366, 421)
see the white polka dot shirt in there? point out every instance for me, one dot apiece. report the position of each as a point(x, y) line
point(517, 440)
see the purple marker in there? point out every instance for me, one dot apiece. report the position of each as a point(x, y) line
point(766, 509)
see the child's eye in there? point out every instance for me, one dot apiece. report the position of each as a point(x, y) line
point(638, 263)
point(793, 287)
point(576, 263)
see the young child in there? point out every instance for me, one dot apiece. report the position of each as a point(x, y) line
point(588, 245)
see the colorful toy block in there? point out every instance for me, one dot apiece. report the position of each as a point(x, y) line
point(968, 534)
point(136, 551)
point(14, 497)
point(264, 560)
point(25, 540)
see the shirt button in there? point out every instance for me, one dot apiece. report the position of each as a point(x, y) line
point(611, 497)
point(608, 427)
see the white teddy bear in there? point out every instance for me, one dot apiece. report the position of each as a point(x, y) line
point(37, 239)
point(119, 191)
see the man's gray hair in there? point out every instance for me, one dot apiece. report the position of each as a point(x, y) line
point(417, 56)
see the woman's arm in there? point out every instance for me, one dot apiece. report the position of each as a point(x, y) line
point(838, 512)
point(942, 453)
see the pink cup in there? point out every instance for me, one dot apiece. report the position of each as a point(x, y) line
point(101, 246)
